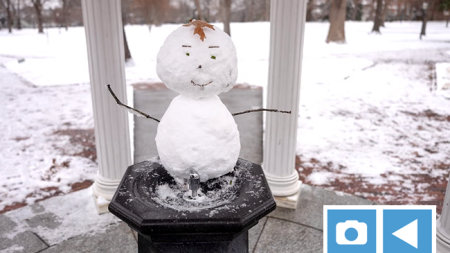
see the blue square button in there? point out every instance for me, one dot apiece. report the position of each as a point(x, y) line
point(407, 231)
point(351, 231)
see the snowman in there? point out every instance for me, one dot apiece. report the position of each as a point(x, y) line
point(197, 132)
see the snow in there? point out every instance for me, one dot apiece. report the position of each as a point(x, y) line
point(443, 78)
point(320, 177)
point(196, 68)
point(198, 134)
point(215, 195)
point(34, 155)
point(370, 110)
point(14, 248)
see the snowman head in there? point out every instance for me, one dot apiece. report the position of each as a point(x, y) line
point(198, 60)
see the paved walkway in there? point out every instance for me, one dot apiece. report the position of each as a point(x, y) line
point(70, 223)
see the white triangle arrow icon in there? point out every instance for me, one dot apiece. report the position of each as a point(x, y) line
point(408, 234)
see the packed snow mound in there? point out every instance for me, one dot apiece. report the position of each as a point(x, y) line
point(198, 134)
point(197, 68)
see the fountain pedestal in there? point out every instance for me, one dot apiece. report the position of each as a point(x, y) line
point(148, 201)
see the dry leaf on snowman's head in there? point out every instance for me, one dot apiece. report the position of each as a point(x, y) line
point(199, 25)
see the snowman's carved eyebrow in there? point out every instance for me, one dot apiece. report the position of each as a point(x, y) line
point(186, 46)
point(213, 46)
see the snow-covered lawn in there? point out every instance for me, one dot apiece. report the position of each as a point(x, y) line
point(371, 122)
point(39, 155)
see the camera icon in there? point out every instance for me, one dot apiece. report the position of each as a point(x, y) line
point(346, 231)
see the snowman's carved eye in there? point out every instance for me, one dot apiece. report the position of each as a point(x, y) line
point(187, 54)
point(213, 57)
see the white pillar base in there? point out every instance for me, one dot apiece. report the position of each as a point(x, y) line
point(442, 239)
point(105, 187)
point(101, 204)
point(103, 191)
point(290, 201)
point(283, 186)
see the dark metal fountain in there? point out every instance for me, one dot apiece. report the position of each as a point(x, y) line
point(213, 216)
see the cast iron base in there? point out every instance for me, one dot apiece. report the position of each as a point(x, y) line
point(165, 228)
point(238, 245)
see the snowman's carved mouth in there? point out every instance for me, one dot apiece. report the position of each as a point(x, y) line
point(202, 86)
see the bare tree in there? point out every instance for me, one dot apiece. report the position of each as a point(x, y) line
point(125, 9)
point(309, 9)
point(336, 33)
point(17, 14)
point(125, 43)
point(38, 4)
point(249, 10)
point(385, 12)
point(225, 7)
point(377, 19)
point(266, 10)
point(66, 13)
point(424, 20)
point(8, 6)
point(198, 6)
point(153, 11)
point(444, 5)
point(208, 5)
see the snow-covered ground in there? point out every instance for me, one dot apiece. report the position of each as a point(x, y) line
point(370, 115)
point(39, 157)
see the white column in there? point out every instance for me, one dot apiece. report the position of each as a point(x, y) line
point(287, 25)
point(443, 225)
point(104, 36)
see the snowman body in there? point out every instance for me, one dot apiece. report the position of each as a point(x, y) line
point(197, 132)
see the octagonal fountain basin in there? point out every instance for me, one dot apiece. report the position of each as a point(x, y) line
point(165, 214)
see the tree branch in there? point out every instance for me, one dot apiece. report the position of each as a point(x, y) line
point(130, 109)
point(260, 110)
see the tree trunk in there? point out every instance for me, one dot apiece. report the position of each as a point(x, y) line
point(309, 9)
point(125, 41)
point(226, 15)
point(383, 16)
point(199, 9)
point(249, 10)
point(400, 10)
point(424, 24)
point(125, 44)
point(9, 18)
point(267, 10)
point(38, 8)
point(433, 9)
point(336, 33)
point(377, 19)
point(66, 13)
point(18, 21)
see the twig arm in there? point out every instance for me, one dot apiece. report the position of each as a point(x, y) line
point(261, 110)
point(130, 109)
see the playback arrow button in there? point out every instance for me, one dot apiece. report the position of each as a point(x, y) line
point(408, 234)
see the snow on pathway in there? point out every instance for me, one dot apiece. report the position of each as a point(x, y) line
point(37, 162)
